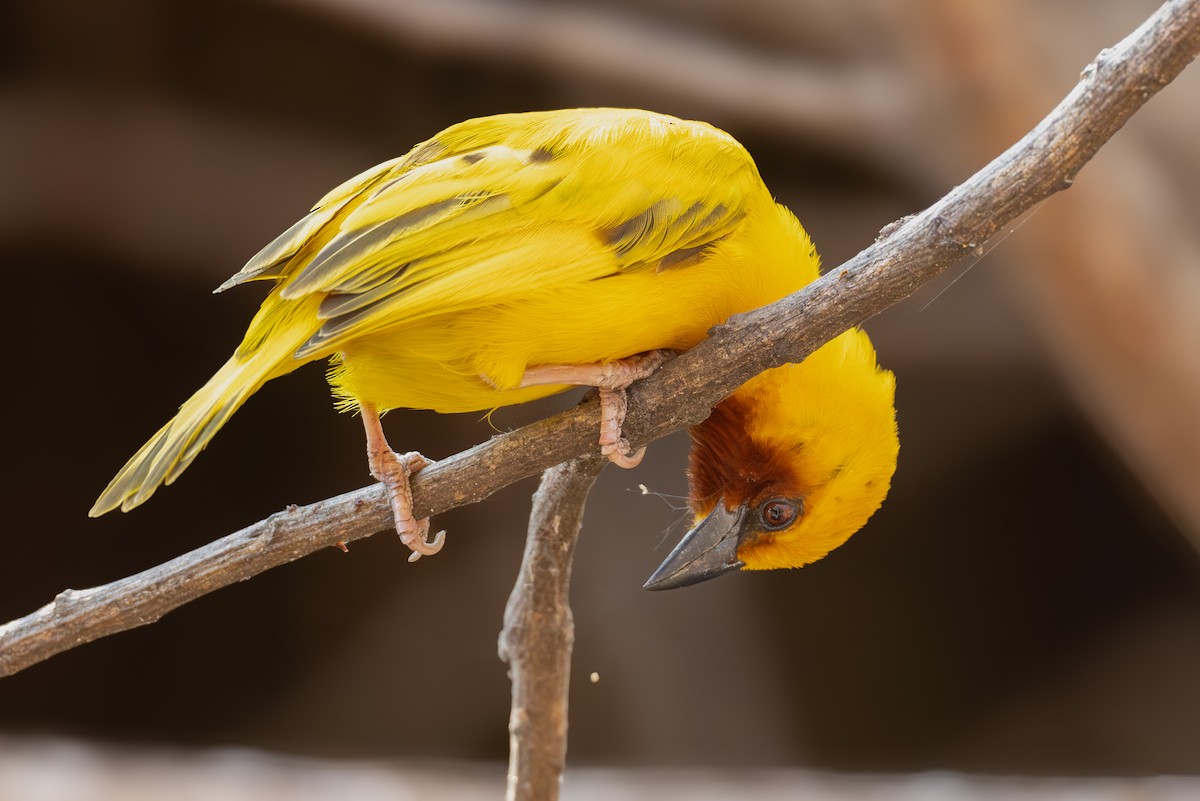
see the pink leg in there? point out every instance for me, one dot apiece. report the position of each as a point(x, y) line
point(611, 378)
point(394, 470)
point(617, 374)
point(613, 405)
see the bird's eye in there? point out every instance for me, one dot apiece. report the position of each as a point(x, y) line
point(778, 514)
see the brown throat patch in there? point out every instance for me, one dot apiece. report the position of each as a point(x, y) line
point(728, 461)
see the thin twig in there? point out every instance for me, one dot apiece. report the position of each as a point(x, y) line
point(539, 632)
point(1124, 333)
point(906, 255)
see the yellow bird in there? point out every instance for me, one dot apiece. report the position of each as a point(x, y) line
point(510, 257)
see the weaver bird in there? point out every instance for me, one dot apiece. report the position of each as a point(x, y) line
point(510, 257)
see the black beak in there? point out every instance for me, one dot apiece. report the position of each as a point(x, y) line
point(708, 550)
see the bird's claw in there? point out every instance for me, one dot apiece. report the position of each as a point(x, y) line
point(620, 374)
point(611, 379)
point(622, 453)
point(414, 461)
point(417, 540)
point(613, 404)
point(414, 533)
point(395, 471)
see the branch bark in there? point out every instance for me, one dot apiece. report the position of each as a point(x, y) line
point(539, 632)
point(907, 254)
point(1121, 308)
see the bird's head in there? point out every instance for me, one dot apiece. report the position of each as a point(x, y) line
point(789, 466)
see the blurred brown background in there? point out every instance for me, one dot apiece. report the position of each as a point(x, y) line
point(1028, 599)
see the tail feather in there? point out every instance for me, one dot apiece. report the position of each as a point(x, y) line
point(168, 453)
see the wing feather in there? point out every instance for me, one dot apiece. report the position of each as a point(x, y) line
point(496, 207)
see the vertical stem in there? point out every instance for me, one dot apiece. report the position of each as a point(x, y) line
point(539, 632)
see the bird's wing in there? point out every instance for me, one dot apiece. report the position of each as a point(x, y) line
point(494, 208)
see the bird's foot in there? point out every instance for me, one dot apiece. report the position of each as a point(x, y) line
point(623, 372)
point(612, 379)
point(613, 405)
point(395, 470)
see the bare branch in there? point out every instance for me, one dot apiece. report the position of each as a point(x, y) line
point(1121, 308)
point(539, 632)
point(1045, 161)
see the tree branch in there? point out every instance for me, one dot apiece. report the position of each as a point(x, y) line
point(539, 632)
point(906, 255)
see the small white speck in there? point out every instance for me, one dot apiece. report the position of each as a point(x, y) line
point(594, 678)
point(645, 490)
